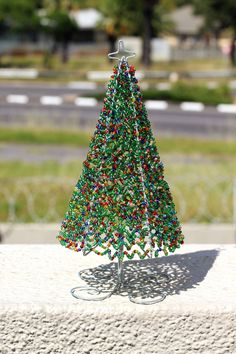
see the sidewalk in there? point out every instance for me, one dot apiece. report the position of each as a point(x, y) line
point(46, 233)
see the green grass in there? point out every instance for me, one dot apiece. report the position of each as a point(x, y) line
point(191, 92)
point(181, 145)
point(19, 169)
point(193, 167)
point(44, 136)
point(174, 166)
point(49, 184)
point(187, 146)
point(198, 191)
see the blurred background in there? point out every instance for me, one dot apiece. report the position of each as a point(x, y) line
point(53, 75)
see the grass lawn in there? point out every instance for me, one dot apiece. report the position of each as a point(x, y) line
point(41, 192)
point(200, 174)
point(44, 136)
point(203, 191)
point(181, 145)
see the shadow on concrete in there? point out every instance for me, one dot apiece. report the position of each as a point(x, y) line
point(148, 281)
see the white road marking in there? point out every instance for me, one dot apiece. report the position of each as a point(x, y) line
point(104, 75)
point(161, 105)
point(91, 102)
point(19, 99)
point(82, 85)
point(226, 108)
point(144, 85)
point(163, 86)
point(98, 75)
point(51, 100)
point(212, 85)
point(85, 101)
point(19, 73)
point(232, 85)
point(192, 106)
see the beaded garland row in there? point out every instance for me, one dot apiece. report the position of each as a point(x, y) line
point(121, 205)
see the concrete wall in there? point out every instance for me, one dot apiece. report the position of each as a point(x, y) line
point(39, 315)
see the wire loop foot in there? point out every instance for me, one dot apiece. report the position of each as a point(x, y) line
point(141, 287)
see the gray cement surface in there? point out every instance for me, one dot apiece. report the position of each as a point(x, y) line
point(36, 153)
point(39, 315)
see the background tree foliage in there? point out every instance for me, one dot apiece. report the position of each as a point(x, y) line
point(57, 22)
point(219, 15)
point(19, 16)
point(144, 18)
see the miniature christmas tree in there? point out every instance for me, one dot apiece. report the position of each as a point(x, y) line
point(122, 205)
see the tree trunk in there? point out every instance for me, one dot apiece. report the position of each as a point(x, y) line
point(54, 47)
point(65, 51)
point(148, 9)
point(232, 50)
point(112, 43)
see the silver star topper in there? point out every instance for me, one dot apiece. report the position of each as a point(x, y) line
point(121, 49)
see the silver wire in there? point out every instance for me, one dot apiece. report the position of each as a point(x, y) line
point(123, 285)
point(121, 49)
point(141, 288)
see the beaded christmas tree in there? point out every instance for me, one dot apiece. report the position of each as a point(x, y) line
point(122, 205)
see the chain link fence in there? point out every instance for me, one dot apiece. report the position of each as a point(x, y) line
point(45, 199)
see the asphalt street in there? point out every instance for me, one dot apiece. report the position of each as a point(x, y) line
point(208, 123)
point(171, 121)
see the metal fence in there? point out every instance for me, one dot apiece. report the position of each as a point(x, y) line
point(45, 199)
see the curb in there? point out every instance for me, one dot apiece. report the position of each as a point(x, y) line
point(93, 102)
point(45, 233)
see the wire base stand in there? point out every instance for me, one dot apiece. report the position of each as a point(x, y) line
point(142, 286)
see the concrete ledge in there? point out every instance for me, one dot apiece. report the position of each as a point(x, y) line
point(39, 315)
point(46, 233)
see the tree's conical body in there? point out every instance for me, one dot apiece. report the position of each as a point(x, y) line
point(121, 205)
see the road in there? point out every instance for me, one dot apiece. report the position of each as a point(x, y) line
point(206, 123)
point(172, 121)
